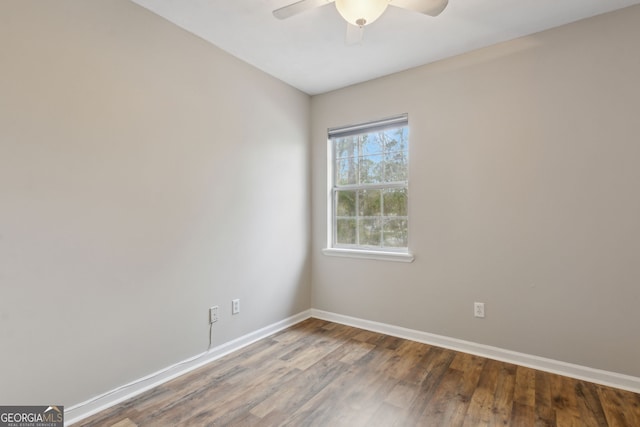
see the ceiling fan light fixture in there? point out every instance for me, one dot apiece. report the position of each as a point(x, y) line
point(361, 12)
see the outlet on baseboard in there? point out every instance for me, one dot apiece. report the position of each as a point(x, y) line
point(235, 306)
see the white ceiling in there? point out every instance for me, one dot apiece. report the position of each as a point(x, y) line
point(308, 51)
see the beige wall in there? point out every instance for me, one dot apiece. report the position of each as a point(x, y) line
point(145, 175)
point(523, 195)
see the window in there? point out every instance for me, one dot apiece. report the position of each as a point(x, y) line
point(369, 190)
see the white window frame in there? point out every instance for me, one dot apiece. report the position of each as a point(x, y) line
point(387, 253)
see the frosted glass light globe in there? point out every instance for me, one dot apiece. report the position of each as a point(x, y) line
point(361, 12)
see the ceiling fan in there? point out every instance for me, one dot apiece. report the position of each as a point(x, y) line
point(359, 13)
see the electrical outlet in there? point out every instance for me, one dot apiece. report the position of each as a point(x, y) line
point(213, 314)
point(235, 306)
point(478, 309)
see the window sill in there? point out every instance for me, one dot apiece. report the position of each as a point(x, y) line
point(364, 254)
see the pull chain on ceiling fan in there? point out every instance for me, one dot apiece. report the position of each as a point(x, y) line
point(359, 13)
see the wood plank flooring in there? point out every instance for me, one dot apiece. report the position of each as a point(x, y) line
point(319, 373)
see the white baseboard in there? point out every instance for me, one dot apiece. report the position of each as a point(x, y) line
point(76, 413)
point(612, 379)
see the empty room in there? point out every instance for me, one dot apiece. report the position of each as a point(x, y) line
point(319, 213)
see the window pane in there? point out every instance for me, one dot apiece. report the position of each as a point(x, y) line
point(346, 171)
point(371, 169)
point(369, 203)
point(346, 203)
point(395, 232)
point(370, 232)
point(396, 139)
point(396, 167)
point(346, 147)
point(395, 202)
point(371, 144)
point(346, 231)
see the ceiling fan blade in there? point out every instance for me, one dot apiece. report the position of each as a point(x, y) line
point(428, 7)
point(354, 34)
point(298, 7)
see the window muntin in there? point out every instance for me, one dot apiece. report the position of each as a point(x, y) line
point(369, 194)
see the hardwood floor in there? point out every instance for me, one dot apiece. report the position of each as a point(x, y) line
point(319, 373)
